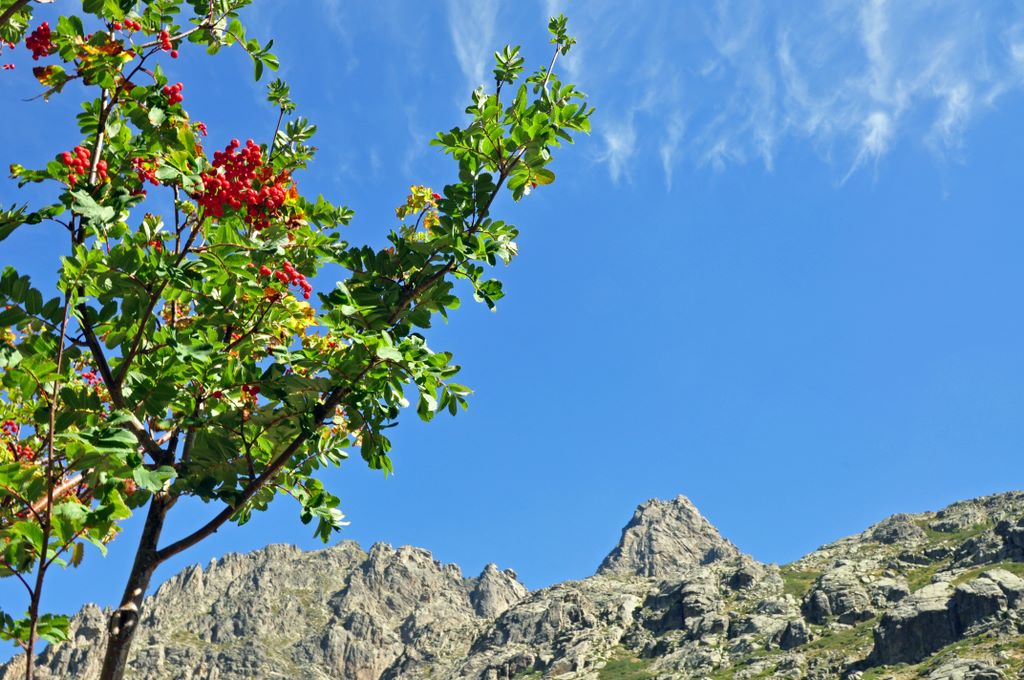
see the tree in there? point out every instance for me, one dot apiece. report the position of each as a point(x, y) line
point(187, 356)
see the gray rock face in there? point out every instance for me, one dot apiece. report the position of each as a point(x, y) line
point(1012, 535)
point(966, 669)
point(1011, 585)
point(674, 600)
point(795, 634)
point(920, 625)
point(939, 614)
point(338, 613)
point(977, 602)
point(495, 591)
point(899, 528)
point(666, 538)
point(839, 593)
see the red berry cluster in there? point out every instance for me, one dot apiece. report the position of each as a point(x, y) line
point(39, 42)
point(78, 163)
point(240, 178)
point(166, 45)
point(130, 24)
point(250, 392)
point(146, 174)
point(91, 379)
point(201, 127)
point(289, 276)
point(173, 94)
point(21, 451)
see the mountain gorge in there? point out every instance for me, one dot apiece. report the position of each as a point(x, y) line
point(937, 595)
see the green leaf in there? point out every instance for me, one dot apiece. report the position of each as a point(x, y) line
point(156, 116)
point(153, 480)
point(389, 353)
point(53, 628)
point(86, 206)
point(77, 553)
point(543, 176)
point(9, 317)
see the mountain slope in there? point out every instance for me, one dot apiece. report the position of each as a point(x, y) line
point(936, 595)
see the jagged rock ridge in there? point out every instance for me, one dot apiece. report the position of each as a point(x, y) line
point(937, 595)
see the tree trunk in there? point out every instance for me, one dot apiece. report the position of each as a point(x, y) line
point(124, 621)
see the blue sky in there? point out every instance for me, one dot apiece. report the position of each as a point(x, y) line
point(782, 277)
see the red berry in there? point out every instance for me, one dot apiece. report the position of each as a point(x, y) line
point(39, 42)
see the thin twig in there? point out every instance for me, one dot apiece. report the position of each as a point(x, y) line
point(273, 140)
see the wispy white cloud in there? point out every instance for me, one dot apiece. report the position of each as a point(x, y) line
point(675, 128)
point(619, 146)
point(876, 134)
point(471, 24)
point(341, 26)
point(416, 148)
point(852, 78)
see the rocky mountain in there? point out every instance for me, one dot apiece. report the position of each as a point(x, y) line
point(937, 595)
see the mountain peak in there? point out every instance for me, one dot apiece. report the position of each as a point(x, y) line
point(861, 603)
point(665, 537)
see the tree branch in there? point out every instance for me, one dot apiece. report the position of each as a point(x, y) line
point(122, 370)
point(264, 477)
point(11, 11)
point(135, 426)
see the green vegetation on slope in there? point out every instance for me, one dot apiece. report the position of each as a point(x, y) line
point(936, 536)
point(623, 665)
point(798, 582)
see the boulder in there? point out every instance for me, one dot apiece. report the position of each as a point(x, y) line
point(919, 625)
point(839, 593)
point(977, 602)
point(1012, 535)
point(1011, 584)
point(966, 669)
point(744, 577)
point(795, 634)
point(901, 528)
